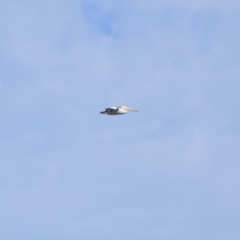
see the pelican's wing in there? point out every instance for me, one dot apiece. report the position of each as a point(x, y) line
point(111, 109)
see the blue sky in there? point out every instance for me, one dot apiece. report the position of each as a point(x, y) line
point(170, 172)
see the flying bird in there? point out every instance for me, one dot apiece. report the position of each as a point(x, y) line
point(118, 110)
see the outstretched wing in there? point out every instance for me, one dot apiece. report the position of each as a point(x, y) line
point(111, 110)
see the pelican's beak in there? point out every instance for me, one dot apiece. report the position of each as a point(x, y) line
point(131, 110)
point(102, 112)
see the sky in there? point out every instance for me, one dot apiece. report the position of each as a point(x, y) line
point(170, 171)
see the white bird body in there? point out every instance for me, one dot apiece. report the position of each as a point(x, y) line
point(118, 110)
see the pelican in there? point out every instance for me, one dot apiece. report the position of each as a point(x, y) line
point(118, 110)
